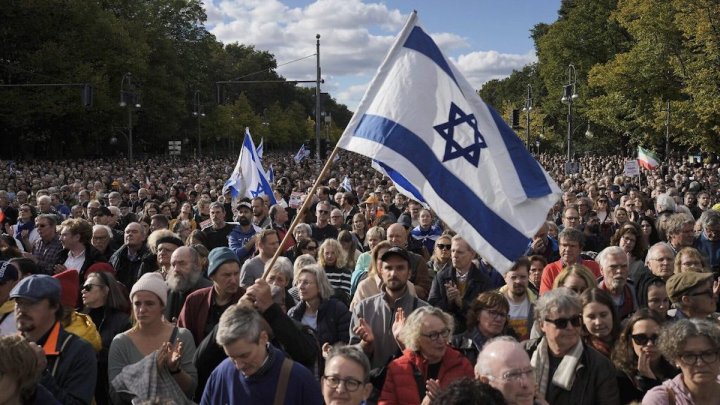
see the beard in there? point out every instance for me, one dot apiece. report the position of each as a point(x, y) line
point(180, 283)
point(244, 221)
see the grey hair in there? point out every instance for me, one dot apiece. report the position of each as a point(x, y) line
point(302, 261)
point(284, 266)
point(660, 245)
point(302, 226)
point(45, 198)
point(709, 218)
point(572, 235)
point(675, 223)
point(605, 254)
point(353, 354)
point(674, 336)
point(557, 300)
point(105, 228)
point(482, 366)
point(238, 322)
point(665, 202)
point(410, 333)
point(52, 218)
point(325, 289)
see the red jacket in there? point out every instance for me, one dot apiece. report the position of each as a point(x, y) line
point(551, 271)
point(400, 386)
point(194, 313)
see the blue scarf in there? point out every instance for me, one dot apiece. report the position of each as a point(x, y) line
point(21, 226)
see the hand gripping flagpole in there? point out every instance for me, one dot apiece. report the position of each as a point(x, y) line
point(303, 208)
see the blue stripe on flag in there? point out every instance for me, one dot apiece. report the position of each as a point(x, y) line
point(531, 175)
point(502, 236)
point(401, 181)
point(420, 41)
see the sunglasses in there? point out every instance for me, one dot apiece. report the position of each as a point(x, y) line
point(309, 247)
point(562, 323)
point(643, 339)
point(442, 246)
point(88, 287)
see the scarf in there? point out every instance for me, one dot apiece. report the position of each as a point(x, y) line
point(599, 345)
point(564, 375)
point(22, 226)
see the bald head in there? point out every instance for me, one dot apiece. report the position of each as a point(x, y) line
point(504, 364)
point(397, 235)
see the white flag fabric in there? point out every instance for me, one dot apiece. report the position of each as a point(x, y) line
point(422, 119)
point(301, 154)
point(346, 184)
point(248, 179)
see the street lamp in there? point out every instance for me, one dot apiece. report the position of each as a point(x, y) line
point(198, 113)
point(588, 132)
point(527, 108)
point(569, 95)
point(127, 98)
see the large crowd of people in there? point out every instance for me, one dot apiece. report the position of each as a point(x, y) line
point(147, 283)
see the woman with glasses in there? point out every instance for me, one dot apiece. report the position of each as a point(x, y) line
point(318, 309)
point(690, 259)
point(108, 307)
point(603, 211)
point(427, 365)
point(566, 370)
point(440, 259)
point(487, 318)
point(601, 324)
point(576, 277)
point(636, 356)
point(631, 242)
point(346, 379)
point(693, 345)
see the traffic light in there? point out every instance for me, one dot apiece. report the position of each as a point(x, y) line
point(515, 118)
point(87, 96)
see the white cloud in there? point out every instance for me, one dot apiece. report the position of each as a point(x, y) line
point(482, 66)
point(355, 36)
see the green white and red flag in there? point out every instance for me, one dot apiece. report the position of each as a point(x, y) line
point(647, 158)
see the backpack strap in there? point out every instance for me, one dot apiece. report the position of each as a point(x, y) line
point(62, 348)
point(283, 381)
point(420, 381)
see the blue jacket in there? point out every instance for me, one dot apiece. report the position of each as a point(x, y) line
point(227, 385)
point(237, 240)
point(711, 250)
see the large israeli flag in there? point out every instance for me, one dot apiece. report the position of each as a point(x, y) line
point(248, 179)
point(423, 120)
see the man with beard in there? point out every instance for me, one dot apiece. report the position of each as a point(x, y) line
point(679, 230)
point(397, 235)
point(68, 362)
point(372, 316)
point(185, 277)
point(521, 299)
point(242, 238)
point(614, 266)
point(217, 233)
point(260, 212)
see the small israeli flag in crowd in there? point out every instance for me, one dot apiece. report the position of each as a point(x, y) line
point(301, 154)
point(249, 179)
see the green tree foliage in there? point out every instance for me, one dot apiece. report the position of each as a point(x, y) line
point(171, 56)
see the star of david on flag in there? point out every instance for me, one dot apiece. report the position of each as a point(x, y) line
point(249, 179)
point(426, 128)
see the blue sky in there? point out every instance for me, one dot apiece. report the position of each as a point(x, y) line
point(485, 39)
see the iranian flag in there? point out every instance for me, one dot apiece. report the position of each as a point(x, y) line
point(647, 159)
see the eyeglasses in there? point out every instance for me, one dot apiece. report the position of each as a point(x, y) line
point(88, 287)
point(516, 375)
point(442, 246)
point(643, 339)
point(437, 335)
point(707, 357)
point(351, 384)
point(305, 283)
point(602, 201)
point(496, 314)
point(562, 323)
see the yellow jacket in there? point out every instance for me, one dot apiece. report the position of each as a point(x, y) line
point(83, 326)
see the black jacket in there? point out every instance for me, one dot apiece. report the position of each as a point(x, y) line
point(92, 256)
point(129, 271)
point(333, 320)
point(477, 282)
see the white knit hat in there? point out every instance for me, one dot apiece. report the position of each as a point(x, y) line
point(154, 283)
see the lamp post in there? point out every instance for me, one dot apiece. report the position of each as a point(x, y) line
point(198, 113)
point(127, 99)
point(527, 109)
point(569, 95)
point(588, 133)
